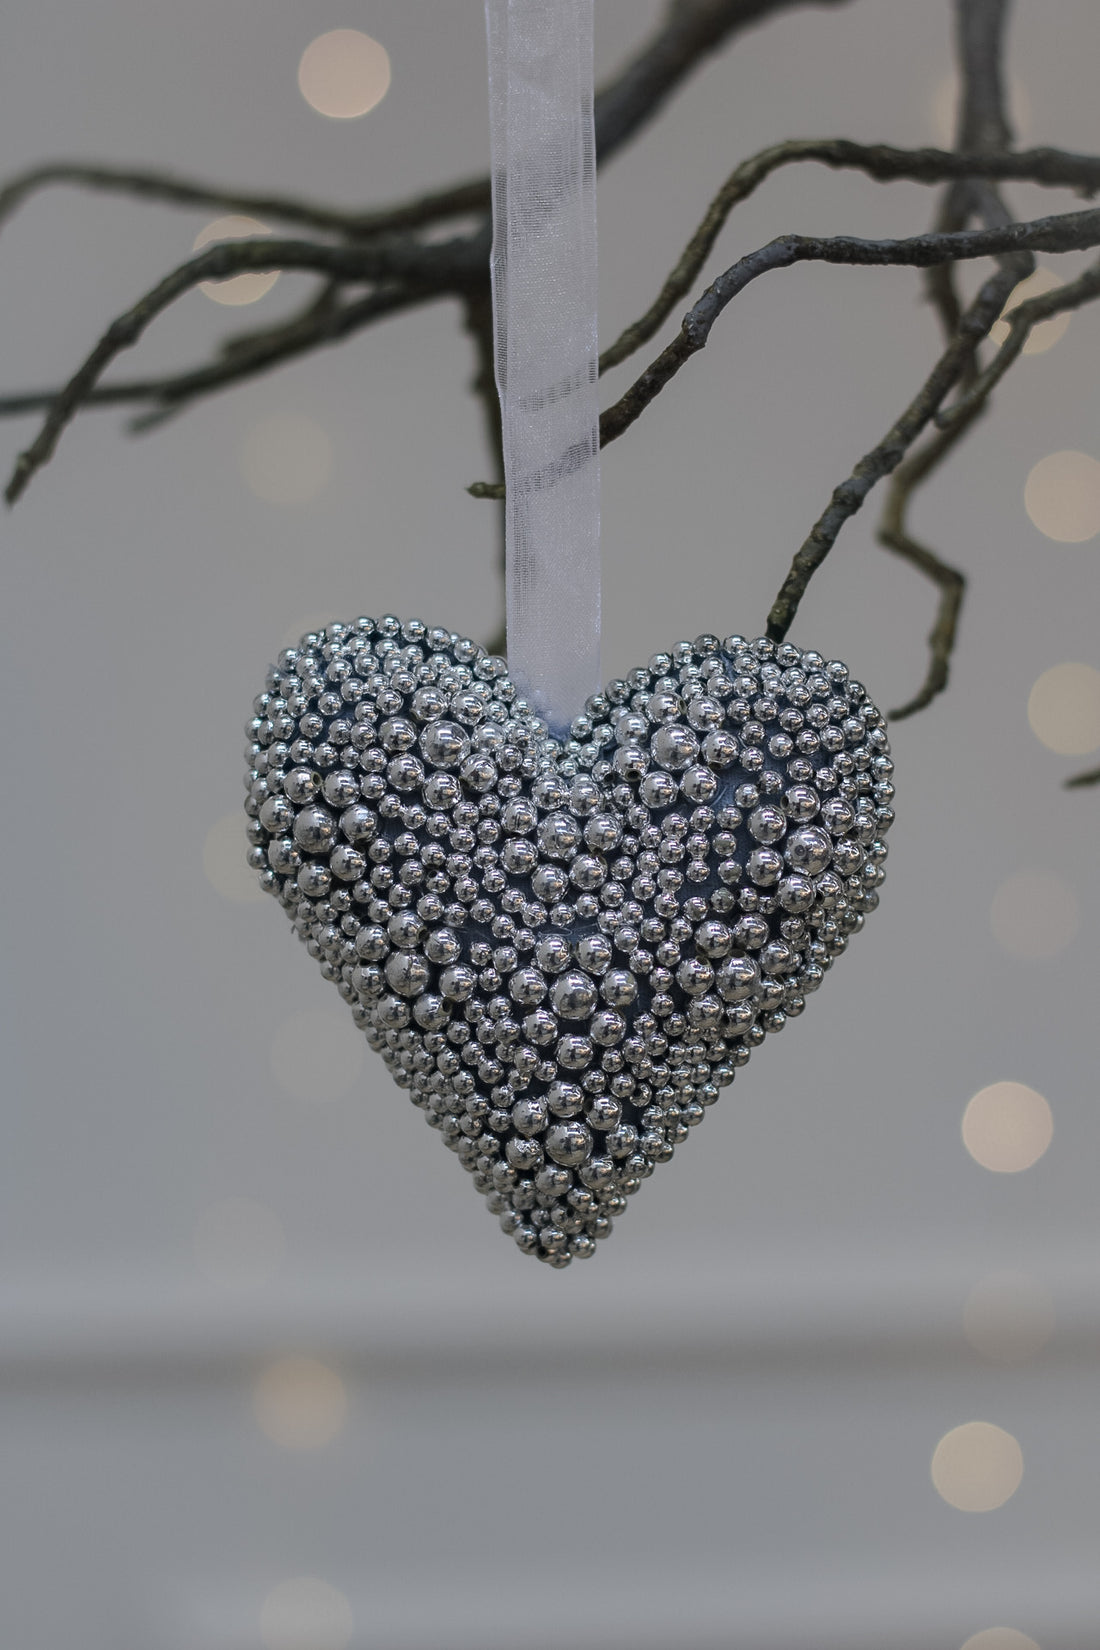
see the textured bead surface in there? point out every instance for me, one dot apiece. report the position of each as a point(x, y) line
point(563, 950)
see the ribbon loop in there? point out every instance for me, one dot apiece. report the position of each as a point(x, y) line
point(544, 309)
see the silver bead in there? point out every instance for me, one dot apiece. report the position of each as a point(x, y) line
point(574, 996)
point(568, 1143)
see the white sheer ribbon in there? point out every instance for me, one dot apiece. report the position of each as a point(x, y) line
point(544, 308)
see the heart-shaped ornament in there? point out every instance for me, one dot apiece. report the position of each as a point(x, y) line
point(564, 949)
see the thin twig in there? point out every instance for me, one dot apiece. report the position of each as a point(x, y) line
point(893, 534)
point(1079, 780)
point(314, 329)
point(216, 262)
point(883, 459)
point(690, 30)
point(982, 128)
point(1054, 167)
point(1020, 322)
point(1066, 232)
point(242, 357)
point(144, 184)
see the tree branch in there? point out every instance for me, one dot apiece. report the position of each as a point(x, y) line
point(1066, 232)
point(1054, 167)
point(1020, 322)
point(893, 534)
point(311, 329)
point(375, 262)
point(883, 459)
point(689, 31)
point(982, 127)
point(143, 184)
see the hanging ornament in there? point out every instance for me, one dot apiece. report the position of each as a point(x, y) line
point(564, 933)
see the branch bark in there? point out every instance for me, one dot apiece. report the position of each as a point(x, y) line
point(1065, 232)
point(982, 127)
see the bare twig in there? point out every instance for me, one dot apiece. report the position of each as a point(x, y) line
point(982, 128)
point(1020, 322)
point(1066, 232)
point(245, 356)
point(260, 350)
point(375, 262)
point(317, 327)
point(689, 31)
point(1054, 167)
point(143, 184)
point(893, 534)
point(883, 459)
point(1079, 780)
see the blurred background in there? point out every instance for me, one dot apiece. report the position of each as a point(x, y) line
point(272, 1379)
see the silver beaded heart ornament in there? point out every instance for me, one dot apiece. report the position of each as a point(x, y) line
point(564, 949)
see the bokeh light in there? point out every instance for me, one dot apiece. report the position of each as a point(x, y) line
point(286, 459)
point(344, 74)
point(306, 1613)
point(223, 860)
point(1044, 333)
point(300, 1403)
point(238, 1240)
point(1007, 1127)
point(977, 1467)
point(1062, 496)
point(1008, 1317)
point(1063, 708)
point(999, 1638)
point(1034, 914)
point(235, 289)
point(317, 1055)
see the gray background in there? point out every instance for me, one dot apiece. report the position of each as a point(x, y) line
point(719, 1431)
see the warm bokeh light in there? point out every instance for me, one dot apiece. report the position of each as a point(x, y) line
point(286, 459)
point(1008, 1317)
point(306, 1613)
point(1034, 914)
point(223, 860)
point(238, 1240)
point(944, 103)
point(1007, 1127)
point(1064, 709)
point(1062, 496)
point(977, 1467)
point(300, 1403)
point(317, 1055)
point(344, 74)
point(236, 289)
point(999, 1638)
point(1044, 333)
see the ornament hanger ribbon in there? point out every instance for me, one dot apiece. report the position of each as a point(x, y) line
point(544, 310)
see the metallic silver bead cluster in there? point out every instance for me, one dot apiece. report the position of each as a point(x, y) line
point(563, 950)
